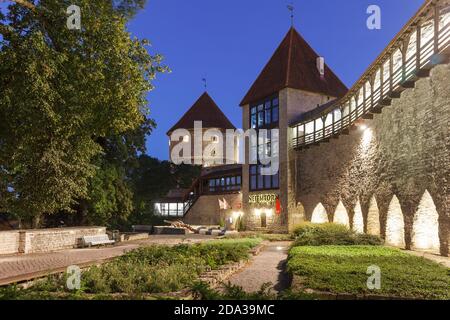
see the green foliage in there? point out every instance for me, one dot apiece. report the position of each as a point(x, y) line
point(152, 179)
point(232, 292)
point(309, 234)
point(110, 198)
point(63, 91)
point(148, 270)
point(343, 269)
point(264, 236)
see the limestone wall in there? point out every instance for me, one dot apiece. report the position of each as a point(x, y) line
point(44, 240)
point(392, 169)
point(9, 242)
point(206, 210)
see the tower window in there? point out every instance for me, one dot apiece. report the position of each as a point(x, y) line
point(265, 114)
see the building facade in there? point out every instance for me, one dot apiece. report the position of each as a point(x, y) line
point(374, 157)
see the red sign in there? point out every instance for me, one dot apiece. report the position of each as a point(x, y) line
point(278, 206)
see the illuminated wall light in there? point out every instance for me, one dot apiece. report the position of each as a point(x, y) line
point(237, 214)
point(319, 214)
point(425, 235)
point(395, 225)
point(257, 212)
point(363, 127)
point(341, 215)
point(269, 213)
point(366, 139)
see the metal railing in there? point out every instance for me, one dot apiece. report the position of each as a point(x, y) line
point(410, 55)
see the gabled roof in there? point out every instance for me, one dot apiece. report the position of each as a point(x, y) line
point(207, 111)
point(294, 65)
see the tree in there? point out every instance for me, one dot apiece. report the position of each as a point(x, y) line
point(63, 91)
point(152, 179)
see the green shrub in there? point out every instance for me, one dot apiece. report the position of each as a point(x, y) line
point(154, 269)
point(343, 269)
point(232, 292)
point(368, 240)
point(309, 234)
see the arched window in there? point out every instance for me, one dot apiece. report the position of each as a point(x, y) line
point(395, 226)
point(425, 234)
point(358, 221)
point(319, 214)
point(373, 218)
point(341, 215)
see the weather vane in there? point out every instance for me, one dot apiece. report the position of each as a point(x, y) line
point(291, 8)
point(205, 83)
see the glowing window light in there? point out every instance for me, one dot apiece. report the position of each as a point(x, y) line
point(395, 226)
point(425, 235)
point(341, 215)
point(319, 214)
point(373, 218)
point(358, 221)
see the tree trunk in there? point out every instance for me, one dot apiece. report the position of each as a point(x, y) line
point(37, 221)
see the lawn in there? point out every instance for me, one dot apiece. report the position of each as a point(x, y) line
point(149, 270)
point(343, 269)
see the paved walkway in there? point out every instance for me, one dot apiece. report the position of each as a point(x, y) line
point(268, 266)
point(15, 268)
point(445, 261)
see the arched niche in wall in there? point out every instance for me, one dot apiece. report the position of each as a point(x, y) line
point(341, 215)
point(425, 235)
point(358, 220)
point(319, 214)
point(373, 218)
point(395, 225)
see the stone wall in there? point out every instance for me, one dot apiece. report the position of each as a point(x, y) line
point(44, 240)
point(206, 210)
point(403, 155)
point(9, 242)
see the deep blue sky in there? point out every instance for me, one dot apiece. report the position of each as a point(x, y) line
point(230, 41)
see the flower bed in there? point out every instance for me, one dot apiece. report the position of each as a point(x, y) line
point(150, 270)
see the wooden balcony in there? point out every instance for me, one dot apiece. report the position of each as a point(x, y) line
point(422, 44)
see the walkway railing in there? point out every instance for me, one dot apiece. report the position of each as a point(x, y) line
point(421, 45)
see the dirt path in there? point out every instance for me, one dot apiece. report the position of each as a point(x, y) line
point(268, 266)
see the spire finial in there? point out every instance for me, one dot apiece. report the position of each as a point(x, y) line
point(291, 8)
point(205, 83)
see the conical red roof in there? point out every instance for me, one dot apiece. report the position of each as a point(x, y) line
point(294, 65)
point(207, 111)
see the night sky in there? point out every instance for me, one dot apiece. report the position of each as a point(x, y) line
point(230, 41)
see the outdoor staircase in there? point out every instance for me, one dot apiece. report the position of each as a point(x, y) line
point(192, 195)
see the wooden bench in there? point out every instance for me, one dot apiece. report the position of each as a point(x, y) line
point(97, 240)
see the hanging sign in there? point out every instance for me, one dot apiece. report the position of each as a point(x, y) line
point(265, 199)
